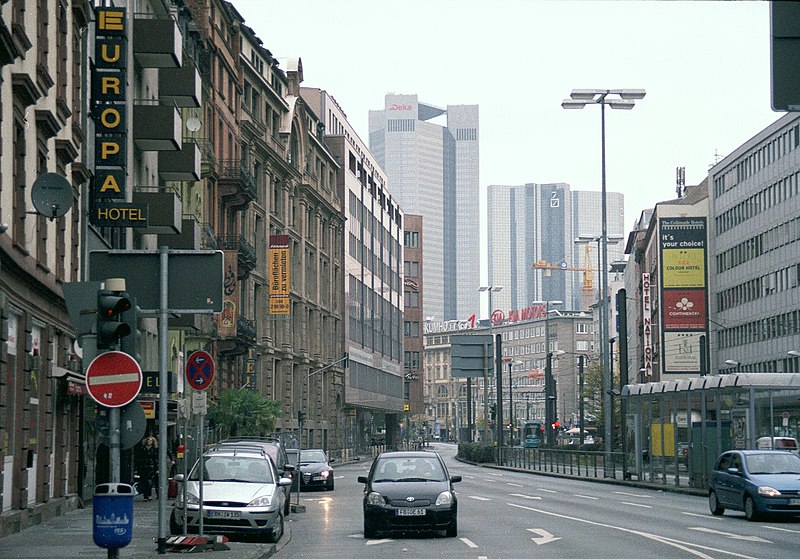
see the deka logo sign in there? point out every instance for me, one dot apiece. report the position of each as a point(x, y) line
point(399, 107)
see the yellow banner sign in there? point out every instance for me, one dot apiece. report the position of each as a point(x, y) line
point(279, 275)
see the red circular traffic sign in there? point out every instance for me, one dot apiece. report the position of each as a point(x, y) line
point(113, 379)
point(200, 370)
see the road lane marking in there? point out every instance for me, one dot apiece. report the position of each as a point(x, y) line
point(469, 543)
point(526, 496)
point(706, 516)
point(514, 484)
point(729, 534)
point(660, 539)
point(587, 497)
point(494, 474)
point(634, 495)
point(782, 529)
point(544, 536)
point(378, 542)
point(478, 498)
point(545, 490)
point(636, 505)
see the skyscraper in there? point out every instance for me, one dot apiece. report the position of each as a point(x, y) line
point(531, 245)
point(433, 171)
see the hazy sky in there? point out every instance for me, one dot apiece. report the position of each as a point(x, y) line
point(705, 67)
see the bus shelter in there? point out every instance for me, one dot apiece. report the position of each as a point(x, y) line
point(675, 429)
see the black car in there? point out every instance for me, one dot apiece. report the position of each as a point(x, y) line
point(315, 469)
point(409, 491)
point(275, 449)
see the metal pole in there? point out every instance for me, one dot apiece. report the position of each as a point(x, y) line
point(604, 291)
point(163, 395)
point(498, 367)
point(580, 396)
point(510, 406)
point(200, 419)
point(113, 459)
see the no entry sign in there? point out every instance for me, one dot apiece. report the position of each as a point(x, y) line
point(113, 379)
point(200, 370)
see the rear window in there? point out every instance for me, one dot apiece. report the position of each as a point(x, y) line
point(786, 443)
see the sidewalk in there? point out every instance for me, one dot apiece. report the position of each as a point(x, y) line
point(70, 536)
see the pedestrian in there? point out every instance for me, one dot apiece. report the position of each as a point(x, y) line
point(148, 466)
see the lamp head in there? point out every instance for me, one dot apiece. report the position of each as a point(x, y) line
point(572, 104)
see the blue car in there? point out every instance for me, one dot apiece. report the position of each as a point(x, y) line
point(758, 482)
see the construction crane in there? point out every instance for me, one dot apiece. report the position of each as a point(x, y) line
point(587, 284)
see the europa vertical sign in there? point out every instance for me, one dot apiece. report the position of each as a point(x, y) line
point(279, 302)
point(109, 101)
point(683, 292)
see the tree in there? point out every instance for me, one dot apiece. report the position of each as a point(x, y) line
point(243, 413)
point(593, 392)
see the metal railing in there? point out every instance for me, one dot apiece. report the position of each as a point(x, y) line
point(581, 463)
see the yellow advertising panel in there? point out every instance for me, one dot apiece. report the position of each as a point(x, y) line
point(279, 275)
point(668, 430)
point(684, 267)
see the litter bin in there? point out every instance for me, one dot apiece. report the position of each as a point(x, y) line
point(113, 515)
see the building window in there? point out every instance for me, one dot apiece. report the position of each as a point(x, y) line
point(411, 329)
point(411, 269)
point(411, 239)
point(582, 328)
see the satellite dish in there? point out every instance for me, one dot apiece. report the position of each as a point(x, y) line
point(51, 195)
point(193, 124)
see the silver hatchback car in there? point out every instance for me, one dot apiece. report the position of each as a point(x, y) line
point(242, 493)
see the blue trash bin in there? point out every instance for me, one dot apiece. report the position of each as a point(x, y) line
point(113, 515)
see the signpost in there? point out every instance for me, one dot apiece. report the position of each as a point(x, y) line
point(200, 370)
point(113, 379)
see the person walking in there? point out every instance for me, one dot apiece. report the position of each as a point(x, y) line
point(148, 467)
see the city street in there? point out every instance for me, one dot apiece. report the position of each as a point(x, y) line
point(510, 514)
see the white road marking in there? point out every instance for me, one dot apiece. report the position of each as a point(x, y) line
point(702, 516)
point(526, 496)
point(378, 542)
point(782, 529)
point(636, 505)
point(469, 543)
point(478, 498)
point(494, 474)
point(546, 490)
point(514, 484)
point(587, 497)
point(729, 535)
point(544, 536)
point(667, 541)
point(635, 495)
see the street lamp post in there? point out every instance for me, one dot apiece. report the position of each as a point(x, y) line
point(549, 388)
point(490, 289)
point(616, 99)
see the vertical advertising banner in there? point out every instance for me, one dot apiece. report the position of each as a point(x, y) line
point(226, 320)
point(647, 328)
point(683, 293)
point(279, 275)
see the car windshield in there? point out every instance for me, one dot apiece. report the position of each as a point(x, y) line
point(408, 469)
point(234, 468)
point(312, 456)
point(778, 463)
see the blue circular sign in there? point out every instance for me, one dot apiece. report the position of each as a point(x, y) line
point(200, 370)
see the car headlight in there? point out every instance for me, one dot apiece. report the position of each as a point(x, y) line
point(444, 498)
point(265, 501)
point(375, 499)
point(767, 491)
point(326, 473)
point(191, 499)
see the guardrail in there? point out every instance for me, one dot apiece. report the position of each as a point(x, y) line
point(584, 463)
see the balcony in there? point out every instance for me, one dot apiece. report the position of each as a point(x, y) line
point(208, 159)
point(237, 185)
point(189, 237)
point(246, 330)
point(208, 239)
point(182, 165)
point(157, 42)
point(180, 86)
point(247, 255)
point(164, 209)
point(156, 127)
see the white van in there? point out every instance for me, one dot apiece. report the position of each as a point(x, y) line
point(778, 443)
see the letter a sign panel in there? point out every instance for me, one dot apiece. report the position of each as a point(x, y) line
point(200, 370)
point(114, 379)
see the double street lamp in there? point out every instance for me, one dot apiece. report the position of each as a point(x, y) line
point(550, 405)
point(490, 289)
point(616, 99)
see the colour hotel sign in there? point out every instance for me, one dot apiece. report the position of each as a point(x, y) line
point(109, 207)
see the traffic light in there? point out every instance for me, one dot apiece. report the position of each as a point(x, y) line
point(301, 416)
point(110, 328)
point(493, 410)
point(130, 343)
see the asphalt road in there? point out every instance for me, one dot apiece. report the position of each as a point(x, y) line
point(508, 514)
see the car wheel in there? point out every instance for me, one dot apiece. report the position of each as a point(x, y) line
point(713, 504)
point(369, 529)
point(276, 533)
point(452, 530)
point(750, 512)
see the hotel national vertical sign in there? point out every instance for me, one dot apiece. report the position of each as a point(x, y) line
point(684, 292)
point(109, 207)
point(279, 302)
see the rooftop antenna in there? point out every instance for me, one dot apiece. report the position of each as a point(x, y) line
point(680, 181)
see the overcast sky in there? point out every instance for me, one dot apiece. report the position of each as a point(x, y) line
point(705, 67)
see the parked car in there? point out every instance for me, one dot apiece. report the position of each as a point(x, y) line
point(242, 493)
point(276, 450)
point(777, 443)
point(409, 491)
point(315, 469)
point(758, 482)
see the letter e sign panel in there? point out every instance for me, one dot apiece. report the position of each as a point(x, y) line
point(113, 379)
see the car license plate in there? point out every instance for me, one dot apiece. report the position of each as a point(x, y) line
point(410, 511)
point(223, 514)
point(317, 478)
point(794, 502)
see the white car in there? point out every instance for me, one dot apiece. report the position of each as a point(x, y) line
point(242, 494)
point(778, 443)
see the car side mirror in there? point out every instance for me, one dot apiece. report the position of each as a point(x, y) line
point(288, 467)
point(362, 479)
point(331, 460)
point(178, 477)
point(733, 471)
point(455, 479)
point(284, 481)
